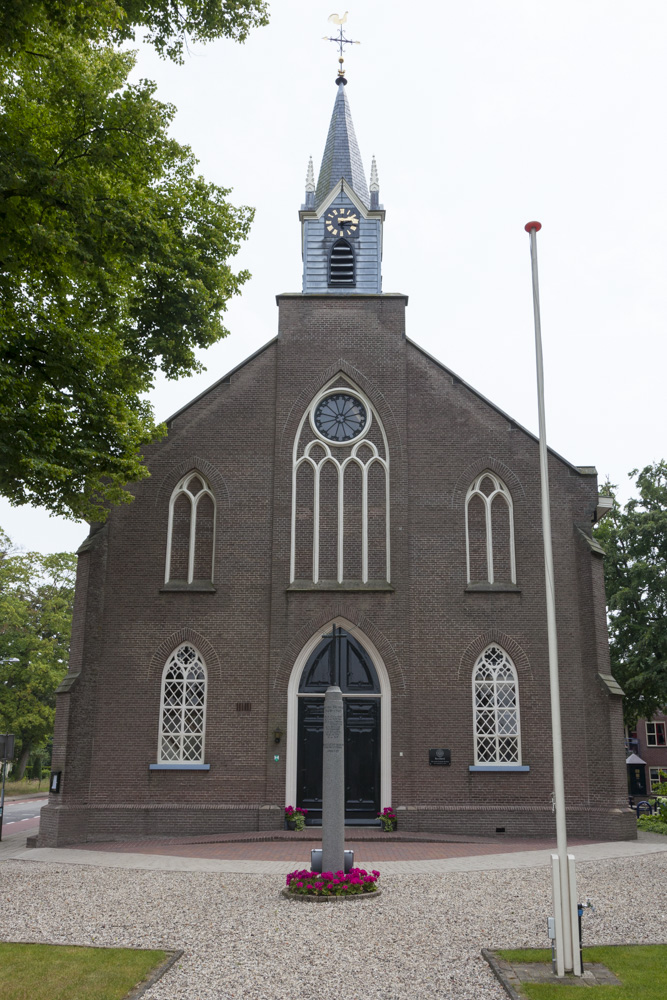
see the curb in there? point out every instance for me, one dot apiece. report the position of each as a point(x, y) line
point(303, 898)
point(140, 989)
point(26, 798)
point(490, 957)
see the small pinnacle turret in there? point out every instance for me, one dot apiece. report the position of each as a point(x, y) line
point(374, 185)
point(310, 185)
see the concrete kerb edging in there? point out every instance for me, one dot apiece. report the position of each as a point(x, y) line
point(490, 957)
point(304, 898)
point(141, 988)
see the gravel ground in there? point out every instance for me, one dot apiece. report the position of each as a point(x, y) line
point(242, 940)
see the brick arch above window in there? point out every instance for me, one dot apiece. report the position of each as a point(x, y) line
point(474, 650)
point(210, 473)
point(172, 642)
point(348, 616)
point(475, 469)
point(358, 379)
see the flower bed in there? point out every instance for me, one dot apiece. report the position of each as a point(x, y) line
point(357, 882)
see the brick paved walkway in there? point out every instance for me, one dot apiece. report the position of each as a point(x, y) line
point(290, 846)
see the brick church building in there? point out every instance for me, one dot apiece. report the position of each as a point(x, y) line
point(339, 507)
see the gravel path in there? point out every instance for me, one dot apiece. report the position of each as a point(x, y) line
point(421, 938)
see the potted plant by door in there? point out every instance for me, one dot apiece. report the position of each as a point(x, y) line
point(295, 818)
point(388, 819)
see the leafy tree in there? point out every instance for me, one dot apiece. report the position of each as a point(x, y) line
point(113, 264)
point(168, 23)
point(36, 597)
point(634, 538)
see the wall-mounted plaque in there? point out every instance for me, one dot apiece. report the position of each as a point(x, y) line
point(54, 784)
point(440, 756)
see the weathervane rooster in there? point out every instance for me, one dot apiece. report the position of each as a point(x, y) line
point(340, 40)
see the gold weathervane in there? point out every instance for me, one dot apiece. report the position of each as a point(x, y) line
point(340, 40)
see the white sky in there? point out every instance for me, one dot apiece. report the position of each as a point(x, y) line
point(482, 116)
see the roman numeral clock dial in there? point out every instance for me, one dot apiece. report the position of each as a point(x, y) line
point(341, 222)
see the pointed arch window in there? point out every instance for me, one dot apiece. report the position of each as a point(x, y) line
point(191, 533)
point(341, 264)
point(340, 493)
point(495, 694)
point(183, 708)
point(489, 518)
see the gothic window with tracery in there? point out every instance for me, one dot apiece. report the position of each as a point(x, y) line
point(496, 709)
point(340, 491)
point(489, 531)
point(183, 708)
point(190, 532)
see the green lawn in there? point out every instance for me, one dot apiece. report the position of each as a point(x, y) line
point(26, 787)
point(642, 970)
point(59, 972)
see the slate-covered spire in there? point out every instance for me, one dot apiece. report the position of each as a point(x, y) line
point(341, 153)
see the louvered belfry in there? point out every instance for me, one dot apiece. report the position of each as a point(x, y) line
point(334, 261)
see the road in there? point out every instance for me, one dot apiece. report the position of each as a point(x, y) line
point(22, 816)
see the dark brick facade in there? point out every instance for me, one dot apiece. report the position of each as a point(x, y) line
point(250, 629)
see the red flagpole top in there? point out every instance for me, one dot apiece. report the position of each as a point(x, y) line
point(533, 225)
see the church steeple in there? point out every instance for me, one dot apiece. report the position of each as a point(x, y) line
point(341, 153)
point(341, 219)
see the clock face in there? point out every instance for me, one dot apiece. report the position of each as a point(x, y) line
point(340, 417)
point(341, 222)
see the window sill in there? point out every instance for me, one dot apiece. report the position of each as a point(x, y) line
point(308, 585)
point(499, 767)
point(493, 588)
point(197, 586)
point(179, 767)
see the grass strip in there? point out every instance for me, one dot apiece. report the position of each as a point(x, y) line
point(642, 969)
point(71, 972)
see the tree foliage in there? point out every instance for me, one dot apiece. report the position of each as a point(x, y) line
point(168, 24)
point(36, 598)
point(634, 538)
point(114, 253)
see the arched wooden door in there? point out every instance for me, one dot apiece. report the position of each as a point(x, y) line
point(340, 659)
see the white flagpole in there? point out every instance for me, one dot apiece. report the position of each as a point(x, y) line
point(567, 936)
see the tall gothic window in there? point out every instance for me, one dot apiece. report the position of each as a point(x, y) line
point(489, 531)
point(340, 491)
point(496, 709)
point(190, 532)
point(183, 708)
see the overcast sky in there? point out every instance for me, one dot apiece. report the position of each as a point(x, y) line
point(482, 116)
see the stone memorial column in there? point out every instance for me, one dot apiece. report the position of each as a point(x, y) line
point(333, 783)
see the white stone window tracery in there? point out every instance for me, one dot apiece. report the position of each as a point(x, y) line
point(191, 531)
point(183, 708)
point(495, 695)
point(489, 520)
point(340, 494)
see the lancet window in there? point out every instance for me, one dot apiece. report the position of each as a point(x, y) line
point(489, 531)
point(340, 491)
point(190, 532)
point(495, 696)
point(183, 708)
